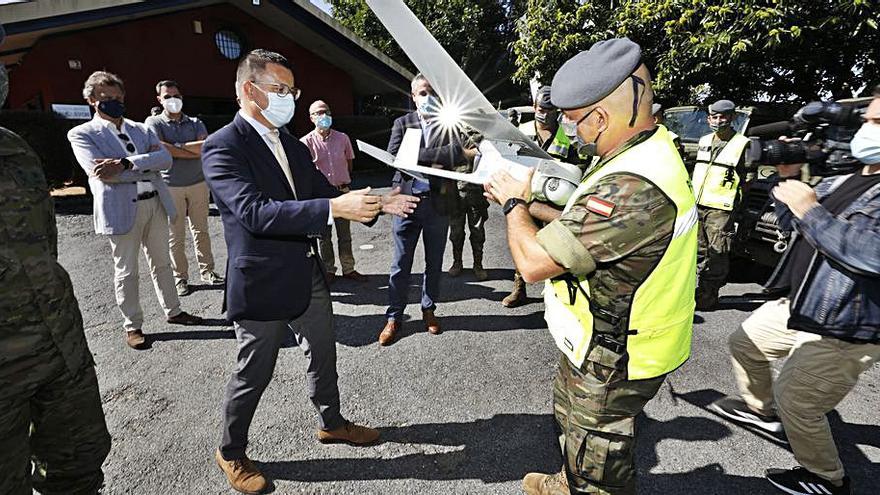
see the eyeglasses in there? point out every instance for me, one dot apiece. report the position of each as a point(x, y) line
point(321, 112)
point(127, 140)
point(281, 89)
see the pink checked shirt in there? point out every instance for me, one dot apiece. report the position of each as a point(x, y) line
point(331, 155)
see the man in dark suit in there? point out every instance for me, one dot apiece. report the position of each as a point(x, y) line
point(274, 205)
point(440, 147)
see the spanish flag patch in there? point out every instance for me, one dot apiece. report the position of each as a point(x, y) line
point(600, 206)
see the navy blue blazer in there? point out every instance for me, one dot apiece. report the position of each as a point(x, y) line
point(445, 150)
point(268, 232)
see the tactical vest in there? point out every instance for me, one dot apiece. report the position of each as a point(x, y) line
point(659, 322)
point(716, 182)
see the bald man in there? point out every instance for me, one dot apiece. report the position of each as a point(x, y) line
point(619, 267)
point(333, 155)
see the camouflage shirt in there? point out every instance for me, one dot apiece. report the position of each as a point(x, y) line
point(616, 252)
point(39, 314)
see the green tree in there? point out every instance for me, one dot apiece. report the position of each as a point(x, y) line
point(776, 50)
point(477, 34)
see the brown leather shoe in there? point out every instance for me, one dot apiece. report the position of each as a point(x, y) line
point(136, 340)
point(185, 318)
point(242, 474)
point(545, 484)
point(389, 333)
point(354, 275)
point(349, 433)
point(432, 324)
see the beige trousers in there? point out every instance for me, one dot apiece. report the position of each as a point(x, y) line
point(819, 373)
point(150, 232)
point(343, 240)
point(190, 202)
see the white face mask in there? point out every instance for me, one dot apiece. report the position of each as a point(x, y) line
point(865, 145)
point(280, 109)
point(173, 104)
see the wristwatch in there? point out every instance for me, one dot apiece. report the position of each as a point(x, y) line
point(511, 203)
point(179, 146)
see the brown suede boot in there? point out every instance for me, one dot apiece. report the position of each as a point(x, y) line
point(517, 296)
point(349, 433)
point(242, 474)
point(545, 484)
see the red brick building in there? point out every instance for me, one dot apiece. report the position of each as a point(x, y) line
point(52, 47)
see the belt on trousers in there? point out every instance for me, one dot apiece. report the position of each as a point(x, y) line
point(147, 195)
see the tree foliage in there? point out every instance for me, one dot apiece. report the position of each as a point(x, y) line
point(756, 50)
point(476, 33)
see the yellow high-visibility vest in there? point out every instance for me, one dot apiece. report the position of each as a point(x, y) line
point(660, 318)
point(716, 182)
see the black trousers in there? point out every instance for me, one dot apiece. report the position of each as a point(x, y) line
point(258, 345)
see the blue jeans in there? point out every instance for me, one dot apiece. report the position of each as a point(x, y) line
point(425, 221)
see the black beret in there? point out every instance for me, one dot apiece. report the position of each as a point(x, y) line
point(722, 106)
point(542, 98)
point(593, 74)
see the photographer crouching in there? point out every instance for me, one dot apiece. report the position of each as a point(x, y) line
point(829, 323)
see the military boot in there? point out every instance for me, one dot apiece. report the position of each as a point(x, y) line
point(517, 296)
point(545, 484)
point(457, 266)
point(706, 299)
point(479, 273)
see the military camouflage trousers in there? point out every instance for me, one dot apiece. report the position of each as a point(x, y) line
point(715, 236)
point(472, 210)
point(595, 408)
point(54, 420)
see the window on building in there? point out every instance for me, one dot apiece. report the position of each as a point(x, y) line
point(229, 44)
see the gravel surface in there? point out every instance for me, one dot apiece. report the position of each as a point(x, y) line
point(468, 411)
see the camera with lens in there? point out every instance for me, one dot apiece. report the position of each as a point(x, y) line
point(819, 134)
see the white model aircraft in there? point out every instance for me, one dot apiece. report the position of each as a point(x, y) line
point(503, 146)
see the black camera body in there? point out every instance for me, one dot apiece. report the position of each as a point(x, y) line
point(822, 133)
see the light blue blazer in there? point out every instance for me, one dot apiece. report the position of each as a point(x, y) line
point(115, 200)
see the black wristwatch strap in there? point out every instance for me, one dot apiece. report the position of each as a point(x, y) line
point(511, 203)
point(126, 164)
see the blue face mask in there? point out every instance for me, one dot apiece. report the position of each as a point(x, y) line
point(112, 108)
point(429, 105)
point(324, 121)
point(280, 109)
point(865, 145)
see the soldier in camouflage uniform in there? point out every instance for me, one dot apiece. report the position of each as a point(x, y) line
point(472, 210)
point(612, 235)
point(50, 407)
point(545, 131)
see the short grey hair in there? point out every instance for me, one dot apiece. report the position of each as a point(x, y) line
point(254, 63)
point(418, 79)
point(101, 78)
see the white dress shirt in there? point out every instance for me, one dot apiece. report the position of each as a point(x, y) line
point(143, 186)
point(264, 133)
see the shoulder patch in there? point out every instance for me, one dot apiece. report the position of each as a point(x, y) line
point(600, 206)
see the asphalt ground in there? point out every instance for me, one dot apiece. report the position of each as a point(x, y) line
point(468, 411)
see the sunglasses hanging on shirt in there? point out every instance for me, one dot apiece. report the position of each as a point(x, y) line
point(128, 145)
